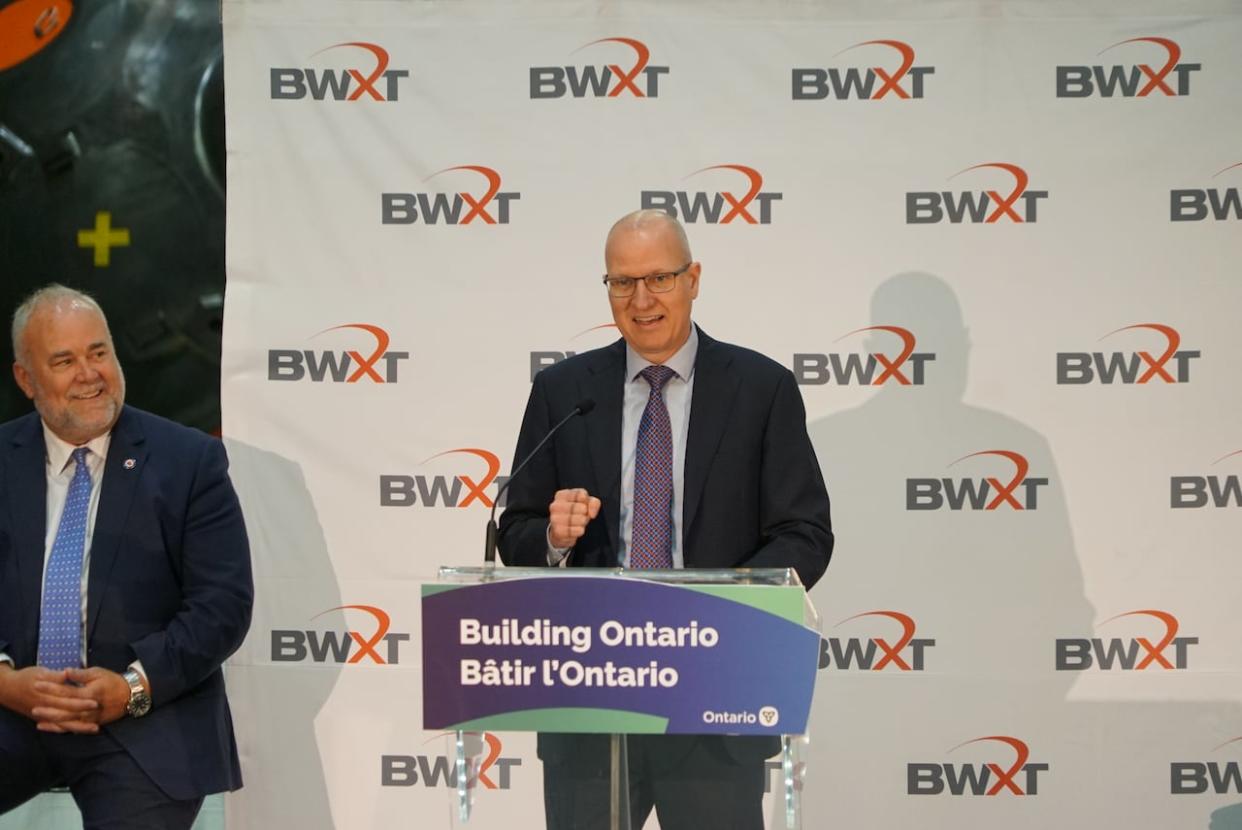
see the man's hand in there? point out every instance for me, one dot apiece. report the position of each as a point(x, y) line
point(41, 695)
point(568, 516)
point(107, 690)
point(90, 698)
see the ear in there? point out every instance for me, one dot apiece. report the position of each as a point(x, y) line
point(692, 274)
point(23, 379)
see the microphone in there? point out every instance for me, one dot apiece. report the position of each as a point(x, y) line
point(583, 407)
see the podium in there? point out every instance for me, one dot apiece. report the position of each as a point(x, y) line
point(621, 652)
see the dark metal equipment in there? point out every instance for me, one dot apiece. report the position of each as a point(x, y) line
point(112, 181)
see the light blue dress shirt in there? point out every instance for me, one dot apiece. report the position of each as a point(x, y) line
point(677, 395)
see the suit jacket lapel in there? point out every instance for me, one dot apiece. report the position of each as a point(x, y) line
point(605, 383)
point(122, 470)
point(715, 387)
point(26, 494)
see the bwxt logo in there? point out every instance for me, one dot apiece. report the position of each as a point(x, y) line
point(292, 84)
point(978, 779)
point(1206, 491)
point(1133, 654)
point(1199, 777)
point(1194, 205)
point(460, 208)
point(540, 360)
point(1077, 368)
point(484, 766)
point(380, 647)
point(608, 81)
point(904, 81)
point(985, 206)
point(860, 654)
point(349, 366)
point(1129, 80)
point(444, 490)
point(721, 207)
point(854, 369)
point(987, 493)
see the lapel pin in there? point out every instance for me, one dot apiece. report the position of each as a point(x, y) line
point(130, 463)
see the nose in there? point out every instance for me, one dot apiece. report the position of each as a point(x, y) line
point(642, 298)
point(86, 371)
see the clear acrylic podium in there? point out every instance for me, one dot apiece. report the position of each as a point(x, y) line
point(772, 597)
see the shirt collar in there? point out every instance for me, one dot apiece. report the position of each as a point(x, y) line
point(59, 450)
point(682, 361)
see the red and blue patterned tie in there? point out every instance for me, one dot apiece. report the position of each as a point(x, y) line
point(60, 621)
point(651, 543)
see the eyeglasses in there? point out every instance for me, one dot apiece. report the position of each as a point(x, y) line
point(660, 283)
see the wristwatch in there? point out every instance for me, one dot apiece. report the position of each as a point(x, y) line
point(139, 701)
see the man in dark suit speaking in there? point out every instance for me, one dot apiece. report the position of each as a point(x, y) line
point(125, 582)
point(695, 456)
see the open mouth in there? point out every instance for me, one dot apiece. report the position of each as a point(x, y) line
point(88, 396)
point(650, 320)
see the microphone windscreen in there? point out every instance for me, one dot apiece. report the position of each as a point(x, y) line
point(585, 405)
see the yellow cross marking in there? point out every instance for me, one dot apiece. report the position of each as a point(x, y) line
point(103, 238)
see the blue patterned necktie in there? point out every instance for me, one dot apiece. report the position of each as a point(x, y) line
point(651, 544)
point(60, 622)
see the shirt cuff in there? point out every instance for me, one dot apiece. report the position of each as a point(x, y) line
point(137, 666)
point(556, 556)
point(4, 658)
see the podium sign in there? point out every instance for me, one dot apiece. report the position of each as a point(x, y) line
point(607, 652)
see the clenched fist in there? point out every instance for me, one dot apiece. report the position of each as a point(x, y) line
point(568, 516)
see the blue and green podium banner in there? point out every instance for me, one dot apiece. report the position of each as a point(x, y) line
point(617, 654)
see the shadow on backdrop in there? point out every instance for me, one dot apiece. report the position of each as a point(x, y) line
point(993, 588)
point(275, 703)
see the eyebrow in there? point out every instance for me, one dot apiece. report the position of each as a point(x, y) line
point(99, 344)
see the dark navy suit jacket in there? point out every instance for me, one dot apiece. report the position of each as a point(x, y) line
point(753, 496)
point(169, 584)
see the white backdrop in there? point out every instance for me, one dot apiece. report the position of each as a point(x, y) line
point(376, 365)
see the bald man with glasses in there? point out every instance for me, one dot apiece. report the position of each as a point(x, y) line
point(696, 456)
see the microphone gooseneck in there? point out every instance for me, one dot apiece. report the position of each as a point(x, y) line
point(489, 550)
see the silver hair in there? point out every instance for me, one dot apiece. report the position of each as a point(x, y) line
point(56, 296)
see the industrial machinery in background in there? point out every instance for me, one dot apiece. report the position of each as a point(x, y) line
point(112, 181)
